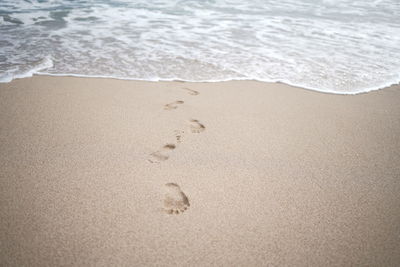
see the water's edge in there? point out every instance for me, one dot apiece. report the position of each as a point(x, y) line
point(367, 90)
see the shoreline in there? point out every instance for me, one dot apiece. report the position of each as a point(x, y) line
point(98, 171)
point(367, 90)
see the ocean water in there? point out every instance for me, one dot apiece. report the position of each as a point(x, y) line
point(338, 46)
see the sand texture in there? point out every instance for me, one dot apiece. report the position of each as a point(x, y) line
point(103, 172)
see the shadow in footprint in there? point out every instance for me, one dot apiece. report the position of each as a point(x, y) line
point(173, 105)
point(190, 91)
point(175, 201)
point(196, 126)
point(162, 154)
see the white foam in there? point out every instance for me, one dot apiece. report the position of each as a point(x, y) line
point(18, 73)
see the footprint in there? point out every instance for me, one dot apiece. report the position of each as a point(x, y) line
point(196, 126)
point(173, 105)
point(179, 135)
point(175, 201)
point(162, 154)
point(190, 91)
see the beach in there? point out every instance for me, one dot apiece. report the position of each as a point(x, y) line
point(107, 172)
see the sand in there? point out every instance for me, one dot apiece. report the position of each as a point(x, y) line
point(103, 172)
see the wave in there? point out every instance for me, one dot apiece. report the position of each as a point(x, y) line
point(335, 46)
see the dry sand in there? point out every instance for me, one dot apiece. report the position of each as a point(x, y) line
point(93, 172)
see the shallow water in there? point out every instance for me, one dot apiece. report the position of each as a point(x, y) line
point(338, 46)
